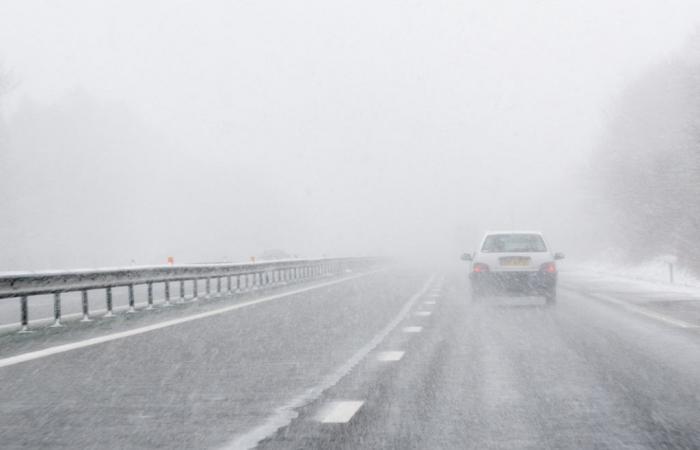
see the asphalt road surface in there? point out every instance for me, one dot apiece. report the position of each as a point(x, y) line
point(399, 359)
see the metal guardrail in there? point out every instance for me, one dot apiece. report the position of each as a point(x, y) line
point(238, 277)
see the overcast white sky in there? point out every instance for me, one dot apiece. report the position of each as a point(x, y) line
point(364, 125)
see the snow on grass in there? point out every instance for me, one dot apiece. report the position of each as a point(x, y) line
point(648, 275)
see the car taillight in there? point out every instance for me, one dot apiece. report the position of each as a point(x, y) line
point(480, 267)
point(549, 267)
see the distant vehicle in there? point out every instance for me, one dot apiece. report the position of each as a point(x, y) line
point(515, 263)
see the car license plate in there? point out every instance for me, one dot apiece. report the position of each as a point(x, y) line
point(515, 261)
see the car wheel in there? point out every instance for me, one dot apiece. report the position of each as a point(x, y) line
point(551, 297)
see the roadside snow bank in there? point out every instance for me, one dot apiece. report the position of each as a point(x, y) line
point(655, 271)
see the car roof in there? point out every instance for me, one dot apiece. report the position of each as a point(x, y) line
point(512, 232)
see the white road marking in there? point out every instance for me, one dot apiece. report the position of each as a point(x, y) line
point(423, 313)
point(341, 412)
point(412, 329)
point(287, 412)
point(24, 357)
point(390, 356)
point(430, 302)
point(646, 312)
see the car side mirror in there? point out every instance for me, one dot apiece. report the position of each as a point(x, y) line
point(559, 255)
point(466, 257)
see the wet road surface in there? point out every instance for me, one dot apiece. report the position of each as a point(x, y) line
point(397, 359)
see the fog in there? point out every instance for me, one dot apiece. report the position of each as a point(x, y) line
point(214, 131)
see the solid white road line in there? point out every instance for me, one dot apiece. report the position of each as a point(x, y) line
point(157, 326)
point(287, 412)
point(341, 412)
point(422, 313)
point(412, 329)
point(390, 356)
point(646, 312)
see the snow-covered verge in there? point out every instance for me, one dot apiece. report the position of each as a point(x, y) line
point(652, 274)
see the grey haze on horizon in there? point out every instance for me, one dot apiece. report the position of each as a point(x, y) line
point(215, 130)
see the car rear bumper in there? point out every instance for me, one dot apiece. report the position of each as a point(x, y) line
point(522, 283)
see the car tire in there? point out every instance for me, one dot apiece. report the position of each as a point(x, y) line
point(551, 297)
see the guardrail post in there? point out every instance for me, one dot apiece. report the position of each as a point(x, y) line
point(228, 284)
point(195, 290)
point(207, 287)
point(150, 295)
point(108, 299)
point(238, 283)
point(167, 303)
point(182, 292)
point(25, 314)
point(57, 309)
point(86, 306)
point(218, 286)
point(131, 309)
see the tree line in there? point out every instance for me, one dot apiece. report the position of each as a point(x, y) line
point(647, 168)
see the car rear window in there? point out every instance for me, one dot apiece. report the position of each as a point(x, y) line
point(502, 243)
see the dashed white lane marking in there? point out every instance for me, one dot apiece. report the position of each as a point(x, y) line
point(646, 312)
point(340, 412)
point(390, 356)
point(287, 412)
point(24, 357)
point(412, 329)
point(430, 302)
point(422, 313)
